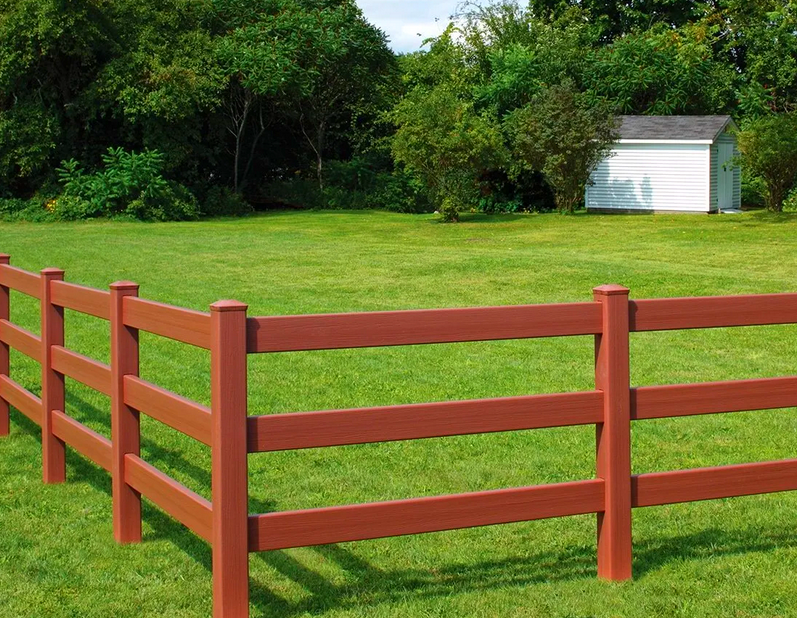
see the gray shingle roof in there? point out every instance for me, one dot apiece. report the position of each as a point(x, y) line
point(673, 127)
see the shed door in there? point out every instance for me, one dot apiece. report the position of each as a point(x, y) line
point(725, 176)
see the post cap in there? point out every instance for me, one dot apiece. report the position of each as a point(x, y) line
point(52, 272)
point(124, 285)
point(611, 289)
point(228, 305)
point(4, 258)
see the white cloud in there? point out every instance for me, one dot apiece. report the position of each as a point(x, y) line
point(404, 20)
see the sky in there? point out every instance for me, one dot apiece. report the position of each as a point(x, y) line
point(403, 20)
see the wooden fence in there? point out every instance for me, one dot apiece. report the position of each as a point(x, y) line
point(229, 335)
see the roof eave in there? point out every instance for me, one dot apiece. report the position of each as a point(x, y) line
point(704, 142)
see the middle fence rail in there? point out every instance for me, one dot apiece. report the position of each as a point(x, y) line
point(230, 336)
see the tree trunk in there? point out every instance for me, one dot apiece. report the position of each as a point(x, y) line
point(253, 149)
point(319, 154)
point(239, 137)
point(317, 146)
point(774, 198)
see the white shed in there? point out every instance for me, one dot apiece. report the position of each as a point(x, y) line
point(669, 164)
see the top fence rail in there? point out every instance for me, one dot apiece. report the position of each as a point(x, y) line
point(415, 327)
point(20, 280)
point(396, 328)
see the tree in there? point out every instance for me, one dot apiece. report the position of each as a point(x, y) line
point(547, 53)
point(313, 63)
point(663, 71)
point(563, 134)
point(49, 54)
point(768, 147)
point(445, 143)
point(621, 17)
point(762, 42)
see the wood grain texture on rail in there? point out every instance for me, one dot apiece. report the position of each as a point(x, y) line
point(649, 402)
point(279, 432)
point(85, 441)
point(81, 299)
point(185, 325)
point(394, 328)
point(20, 280)
point(21, 340)
point(27, 403)
point(712, 312)
point(711, 483)
point(85, 370)
point(169, 408)
point(187, 507)
point(358, 522)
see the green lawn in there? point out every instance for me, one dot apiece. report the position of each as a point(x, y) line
point(720, 558)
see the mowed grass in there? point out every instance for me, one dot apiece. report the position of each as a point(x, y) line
point(719, 558)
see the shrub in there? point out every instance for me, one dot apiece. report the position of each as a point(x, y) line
point(790, 203)
point(769, 151)
point(492, 206)
point(34, 210)
point(130, 184)
point(564, 135)
point(399, 192)
point(224, 202)
point(352, 189)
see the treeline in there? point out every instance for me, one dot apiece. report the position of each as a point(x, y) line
point(155, 110)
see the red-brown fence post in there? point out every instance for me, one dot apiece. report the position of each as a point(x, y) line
point(125, 428)
point(229, 475)
point(5, 366)
point(53, 395)
point(612, 376)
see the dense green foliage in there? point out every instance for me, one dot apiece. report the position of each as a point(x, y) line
point(769, 150)
point(300, 102)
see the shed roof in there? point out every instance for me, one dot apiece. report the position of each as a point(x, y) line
point(673, 128)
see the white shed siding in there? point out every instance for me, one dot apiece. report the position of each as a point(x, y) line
point(665, 177)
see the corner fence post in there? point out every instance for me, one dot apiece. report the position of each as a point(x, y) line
point(612, 376)
point(125, 428)
point(229, 474)
point(53, 396)
point(5, 368)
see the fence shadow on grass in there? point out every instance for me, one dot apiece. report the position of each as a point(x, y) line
point(368, 585)
point(652, 555)
point(371, 586)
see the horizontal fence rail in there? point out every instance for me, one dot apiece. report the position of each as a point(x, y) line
point(88, 443)
point(229, 335)
point(394, 328)
point(81, 299)
point(185, 325)
point(21, 340)
point(20, 280)
point(85, 370)
point(281, 432)
point(419, 515)
point(712, 312)
point(170, 409)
